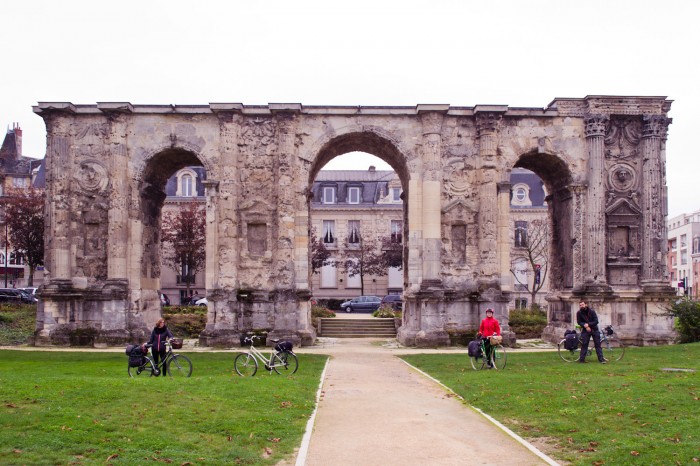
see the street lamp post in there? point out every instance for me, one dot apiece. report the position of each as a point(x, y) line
point(5, 253)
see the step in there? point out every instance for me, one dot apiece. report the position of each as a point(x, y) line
point(358, 328)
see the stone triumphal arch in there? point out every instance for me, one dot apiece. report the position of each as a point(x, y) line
point(602, 159)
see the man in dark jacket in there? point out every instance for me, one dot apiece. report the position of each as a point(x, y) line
point(588, 320)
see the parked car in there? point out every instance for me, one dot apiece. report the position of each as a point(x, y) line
point(164, 300)
point(394, 300)
point(31, 290)
point(362, 303)
point(201, 302)
point(15, 295)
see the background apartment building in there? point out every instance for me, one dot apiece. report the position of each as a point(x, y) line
point(16, 172)
point(684, 252)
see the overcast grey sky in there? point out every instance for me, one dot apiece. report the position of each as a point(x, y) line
point(521, 53)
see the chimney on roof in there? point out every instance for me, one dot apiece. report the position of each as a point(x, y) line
point(18, 139)
point(372, 168)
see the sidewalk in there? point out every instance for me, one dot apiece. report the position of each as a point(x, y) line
point(375, 409)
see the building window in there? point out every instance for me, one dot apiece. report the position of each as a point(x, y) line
point(353, 195)
point(186, 183)
point(520, 234)
point(328, 195)
point(396, 231)
point(520, 195)
point(16, 259)
point(673, 244)
point(329, 276)
point(20, 183)
point(396, 194)
point(353, 231)
point(2, 258)
point(683, 241)
point(520, 303)
point(696, 245)
point(329, 231)
point(684, 257)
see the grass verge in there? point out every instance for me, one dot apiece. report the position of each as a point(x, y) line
point(627, 412)
point(17, 323)
point(82, 408)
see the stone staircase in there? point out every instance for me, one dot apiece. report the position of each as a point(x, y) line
point(357, 328)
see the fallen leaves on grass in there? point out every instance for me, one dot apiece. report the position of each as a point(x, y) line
point(634, 453)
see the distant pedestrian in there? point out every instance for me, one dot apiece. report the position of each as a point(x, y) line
point(489, 327)
point(588, 320)
point(159, 336)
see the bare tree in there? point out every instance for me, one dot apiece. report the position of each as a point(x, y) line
point(364, 260)
point(24, 217)
point(534, 254)
point(320, 254)
point(184, 233)
point(392, 252)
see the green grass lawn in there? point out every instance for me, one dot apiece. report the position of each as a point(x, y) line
point(82, 408)
point(625, 412)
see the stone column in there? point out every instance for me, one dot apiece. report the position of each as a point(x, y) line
point(578, 222)
point(595, 237)
point(58, 162)
point(654, 199)
point(118, 214)
point(211, 191)
point(504, 243)
point(431, 194)
point(487, 123)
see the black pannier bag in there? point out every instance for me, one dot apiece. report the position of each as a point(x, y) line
point(474, 349)
point(136, 355)
point(570, 340)
point(284, 346)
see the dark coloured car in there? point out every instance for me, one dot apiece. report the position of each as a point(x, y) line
point(362, 303)
point(14, 295)
point(394, 300)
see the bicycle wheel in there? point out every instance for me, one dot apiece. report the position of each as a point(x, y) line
point(498, 357)
point(284, 363)
point(567, 354)
point(613, 349)
point(144, 370)
point(179, 366)
point(245, 365)
point(477, 363)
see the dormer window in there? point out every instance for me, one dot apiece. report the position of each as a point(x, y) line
point(521, 195)
point(396, 194)
point(186, 183)
point(328, 196)
point(353, 195)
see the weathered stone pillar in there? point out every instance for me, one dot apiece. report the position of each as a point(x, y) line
point(432, 192)
point(595, 237)
point(58, 197)
point(654, 199)
point(118, 213)
point(504, 243)
point(578, 223)
point(488, 119)
point(211, 191)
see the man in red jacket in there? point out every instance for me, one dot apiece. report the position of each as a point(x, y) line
point(488, 328)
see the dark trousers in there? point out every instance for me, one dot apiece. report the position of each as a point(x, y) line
point(158, 356)
point(585, 339)
point(488, 349)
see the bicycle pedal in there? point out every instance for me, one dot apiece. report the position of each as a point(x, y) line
point(267, 368)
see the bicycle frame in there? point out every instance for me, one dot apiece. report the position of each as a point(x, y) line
point(246, 363)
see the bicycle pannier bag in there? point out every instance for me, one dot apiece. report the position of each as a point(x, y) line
point(176, 343)
point(570, 340)
point(496, 339)
point(474, 349)
point(129, 348)
point(136, 356)
point(284, 346)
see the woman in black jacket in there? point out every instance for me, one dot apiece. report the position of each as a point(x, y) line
point(159, 335)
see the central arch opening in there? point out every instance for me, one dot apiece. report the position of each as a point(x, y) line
point(357, 224)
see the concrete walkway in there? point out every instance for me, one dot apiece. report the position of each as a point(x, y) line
point(375, 409)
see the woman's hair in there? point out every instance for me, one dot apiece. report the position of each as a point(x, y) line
point(159, 321)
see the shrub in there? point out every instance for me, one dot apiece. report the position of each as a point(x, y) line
point(687, 319)
point(17, 323)
point(385, 311)
point(528, 323)
point(318, 312)
point(186, 325)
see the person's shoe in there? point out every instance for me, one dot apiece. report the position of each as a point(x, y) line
point(604, 361)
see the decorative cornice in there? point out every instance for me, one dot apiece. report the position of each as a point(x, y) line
point(487, 122)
